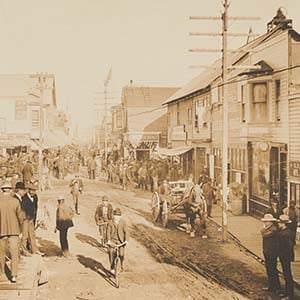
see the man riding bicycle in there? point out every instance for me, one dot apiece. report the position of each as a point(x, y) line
point(117, 233)
point(103, 214)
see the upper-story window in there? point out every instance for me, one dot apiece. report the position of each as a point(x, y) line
point(277, 99)
point(201, 113)
point(259, 102)
point(119, 119)
point(178, 114)
point(243, 103)
point(190, 115)
point(35, 119)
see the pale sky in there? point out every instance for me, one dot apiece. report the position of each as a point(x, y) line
point(143, 40)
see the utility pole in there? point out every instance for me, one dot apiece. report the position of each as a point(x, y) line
point(224, 18)
point(41, 86)
point(105, 119)
point(105, 111)
point(225, 123)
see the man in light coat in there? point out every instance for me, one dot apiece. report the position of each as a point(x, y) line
point(11, 219)
point(76, 186)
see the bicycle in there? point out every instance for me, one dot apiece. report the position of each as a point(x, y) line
point(117, 263)
point(103, 241)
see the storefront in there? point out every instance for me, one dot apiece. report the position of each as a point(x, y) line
point(140, 145)
point(183, 154)
point(267, 175)
point(294, 182)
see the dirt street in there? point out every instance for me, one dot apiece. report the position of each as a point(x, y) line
point(85, 275)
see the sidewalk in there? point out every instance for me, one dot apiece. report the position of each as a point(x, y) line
point(247, 230)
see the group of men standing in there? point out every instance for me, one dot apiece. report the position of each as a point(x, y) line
point(279, 241)
point(18, 213)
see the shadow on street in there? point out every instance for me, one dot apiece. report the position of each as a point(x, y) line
point(97, 267)
point(49, 248)
point(90, 241)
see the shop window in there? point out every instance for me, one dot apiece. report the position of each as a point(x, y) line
point(261, 174)
point(277, 99)
point(295, 193)
point(259, 102)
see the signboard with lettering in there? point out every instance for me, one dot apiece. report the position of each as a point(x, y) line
point(295, 168)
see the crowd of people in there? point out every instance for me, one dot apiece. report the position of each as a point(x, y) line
point(146, 175)
point(21, 176)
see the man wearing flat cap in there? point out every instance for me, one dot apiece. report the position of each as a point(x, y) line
point(11, 218)
point(286, 255)
point(269, 234)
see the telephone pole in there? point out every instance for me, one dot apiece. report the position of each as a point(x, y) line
point(108, 78)
point(224, 18)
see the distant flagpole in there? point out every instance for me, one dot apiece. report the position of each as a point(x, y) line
point(108, 78)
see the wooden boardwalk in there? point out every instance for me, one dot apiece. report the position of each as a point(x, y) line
point(27, 281)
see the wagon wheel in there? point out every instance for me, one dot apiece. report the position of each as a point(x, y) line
point(165, 214)
point(155, 206)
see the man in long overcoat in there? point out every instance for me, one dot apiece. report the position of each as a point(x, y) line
point(286, 255)
point(270, 250)
point(11, 219)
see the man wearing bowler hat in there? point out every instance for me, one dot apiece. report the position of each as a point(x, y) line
point(286, 255)
point(30, 207)
point(117, 233)
point(20, 191)
point(269, 234)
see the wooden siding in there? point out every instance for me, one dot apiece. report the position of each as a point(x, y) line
point(294, 129)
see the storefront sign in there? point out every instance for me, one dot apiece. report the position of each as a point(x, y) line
point(150, 137)
point(295, 168)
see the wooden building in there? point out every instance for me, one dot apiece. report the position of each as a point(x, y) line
point(264, 114)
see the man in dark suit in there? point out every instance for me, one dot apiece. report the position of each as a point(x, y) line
point(117, 233)
point(286, 255)
point(30, 207)
point(103, 214)
point(270, 250)
point(20, 191)
point(274, 209)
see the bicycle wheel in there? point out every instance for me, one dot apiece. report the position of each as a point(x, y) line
point(117, 272)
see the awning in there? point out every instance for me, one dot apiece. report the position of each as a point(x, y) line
point(54, 139)
point(173, 151)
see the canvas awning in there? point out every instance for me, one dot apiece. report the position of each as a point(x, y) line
point(174, 151)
